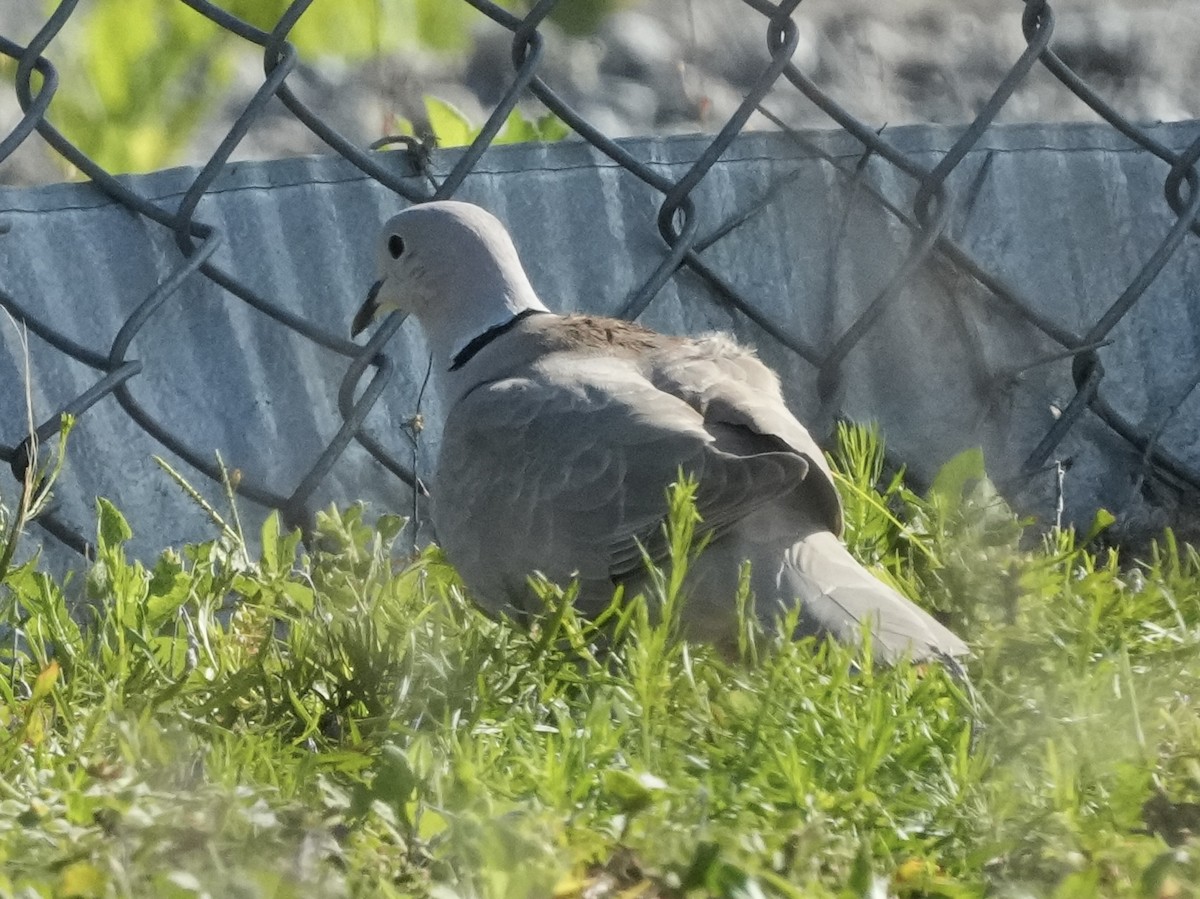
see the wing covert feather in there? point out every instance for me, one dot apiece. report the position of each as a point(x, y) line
point(728, 384)
point(565, 472)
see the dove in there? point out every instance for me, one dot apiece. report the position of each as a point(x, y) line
point(563, 432)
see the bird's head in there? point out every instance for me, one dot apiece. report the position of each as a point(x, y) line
point(454, 267)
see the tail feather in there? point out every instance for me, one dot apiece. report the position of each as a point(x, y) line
point(839, 597)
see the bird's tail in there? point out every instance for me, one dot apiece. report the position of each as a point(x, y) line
point(838, 597)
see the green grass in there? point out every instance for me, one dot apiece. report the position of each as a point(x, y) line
point(345, 723)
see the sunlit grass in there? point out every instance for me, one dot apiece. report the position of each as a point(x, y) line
point(346, 723)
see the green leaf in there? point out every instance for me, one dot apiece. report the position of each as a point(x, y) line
point(551, 128)
point(45, 682)
point(389, 527)
point(431, 823)
point(956, 475)
point(168, 588)
point(862, 873)
point(584, 18)
point(395, 781)
point(440, 25)
point(299, 596)
point(113, 529)
point(517, 130)
point(1157, 875)
point(451, 128)
point(521, 130)
point(269, 535)
point(701, 871)
point(1102, 521)
point(632, 792)
point(81, 880)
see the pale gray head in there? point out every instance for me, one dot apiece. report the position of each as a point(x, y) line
point(454, 267)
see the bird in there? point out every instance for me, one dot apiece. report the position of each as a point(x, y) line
point(563, 432)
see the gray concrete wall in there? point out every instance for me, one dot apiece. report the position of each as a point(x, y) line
point(1066, 214)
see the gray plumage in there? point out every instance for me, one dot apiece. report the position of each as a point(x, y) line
point(563, 433)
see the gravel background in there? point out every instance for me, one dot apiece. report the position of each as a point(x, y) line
point(679, 66)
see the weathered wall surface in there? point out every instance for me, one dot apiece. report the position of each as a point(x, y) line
point(1066, 215)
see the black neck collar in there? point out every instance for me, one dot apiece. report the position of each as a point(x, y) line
point(468, 352)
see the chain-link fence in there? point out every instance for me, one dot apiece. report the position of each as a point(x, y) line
point(199, 243)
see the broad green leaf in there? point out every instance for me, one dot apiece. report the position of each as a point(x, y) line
point(551, 128)
point(701, 870)
point(81, 880)
point(517, 129)
point(1101, 522)
point(431, 823)
point(633, 792)
point(45, 682)
point(583, 18)
point(451, 128)
point(441, 25)
point(299, 595)
point(168, 588)
point(953, 478)
point(389, 526)
point(113, 529)
point(521, 130)
point(269, 536)
point(37, 724)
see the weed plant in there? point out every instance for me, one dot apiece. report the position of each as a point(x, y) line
point(342, 721)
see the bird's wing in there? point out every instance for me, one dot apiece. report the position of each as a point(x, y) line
point(563, 469)
point(735, 392)
point(741, 403)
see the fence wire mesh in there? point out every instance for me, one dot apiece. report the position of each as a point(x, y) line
point(37, 81)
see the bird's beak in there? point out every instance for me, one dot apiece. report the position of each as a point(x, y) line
point(367, 311)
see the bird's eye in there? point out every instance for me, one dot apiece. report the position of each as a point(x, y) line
point(395, 245)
